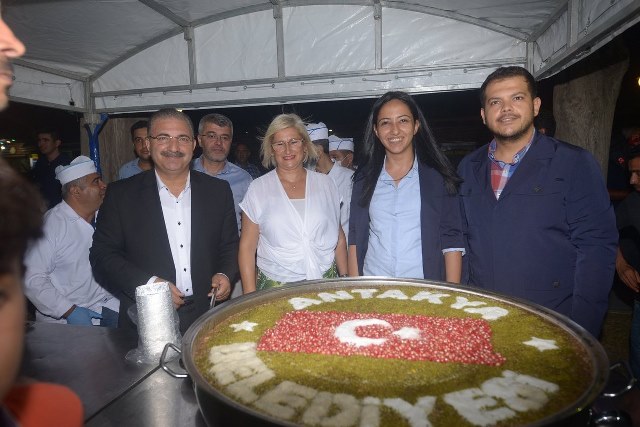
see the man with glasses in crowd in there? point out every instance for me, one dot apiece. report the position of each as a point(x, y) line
point(215, 135)
point(142, 162)
point(169, 224)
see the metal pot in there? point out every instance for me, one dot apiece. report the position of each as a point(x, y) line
point(219, 410)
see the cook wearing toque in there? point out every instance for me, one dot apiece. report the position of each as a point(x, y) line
point(341, 151)
point(340, 175)
point(58, 278)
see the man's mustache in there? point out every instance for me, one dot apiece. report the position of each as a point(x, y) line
point(172, 154)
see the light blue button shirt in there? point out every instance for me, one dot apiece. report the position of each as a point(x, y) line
point(395, 244)
point(129, 169)
point(238, 178)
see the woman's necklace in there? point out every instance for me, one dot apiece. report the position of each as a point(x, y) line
point(292, 184)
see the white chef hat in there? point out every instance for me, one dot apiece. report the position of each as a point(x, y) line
point(334, 142)
point(79, 167)
point(317, 131)
point(337, 143)
point(347, 144)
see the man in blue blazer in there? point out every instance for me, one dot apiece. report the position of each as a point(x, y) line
point(168, 224)
point(538, 219)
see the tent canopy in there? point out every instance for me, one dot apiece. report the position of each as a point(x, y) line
point(119, 56)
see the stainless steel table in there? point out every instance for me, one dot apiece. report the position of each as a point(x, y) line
point(91, 361)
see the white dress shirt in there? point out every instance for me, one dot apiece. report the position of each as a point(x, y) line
point(58, 271)
point(177, 220)
point(342, 177)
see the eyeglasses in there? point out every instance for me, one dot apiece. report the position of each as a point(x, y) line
point(215, 137)
point(280, 145)
point(164, 139)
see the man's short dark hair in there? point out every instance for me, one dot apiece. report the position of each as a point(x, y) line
point(140, 124)
point(21, 208)
point(55, 135)
point(169, 113)
point(218, 120)
point(506, 73)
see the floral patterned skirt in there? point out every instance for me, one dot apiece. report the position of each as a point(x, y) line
point(264, 282)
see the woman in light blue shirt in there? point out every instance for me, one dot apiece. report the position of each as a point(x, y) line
point(405, 213)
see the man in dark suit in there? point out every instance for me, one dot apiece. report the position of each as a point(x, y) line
point(168, 224)
point(539, 223)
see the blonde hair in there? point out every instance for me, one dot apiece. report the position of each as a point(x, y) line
point(281, 122)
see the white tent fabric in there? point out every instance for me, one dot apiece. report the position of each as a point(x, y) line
point(119, 56)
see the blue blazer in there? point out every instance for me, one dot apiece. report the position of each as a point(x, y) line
point(551, 238)
point(440, 221)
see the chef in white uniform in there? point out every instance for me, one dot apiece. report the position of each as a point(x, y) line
point(342, 176)
point(58, 278)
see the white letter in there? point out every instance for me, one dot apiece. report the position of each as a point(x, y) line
point(300, 303)
point(520, 392)
point(462, 302)
point(346, 414)
point(243, 389)
point(473, 405)
point(365, 293)
point(393, 293)
point(284, 399)
point(488, 313)
point(370, 415)
point(233, 362)
point(526, 379)
point(418, 415)
point(431, 297)
point(327, 297)
point(238, 365)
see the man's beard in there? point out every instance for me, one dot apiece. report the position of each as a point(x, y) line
point(511, 137)
point(215, 156)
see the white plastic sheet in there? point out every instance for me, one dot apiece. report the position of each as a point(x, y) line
point(125, 55)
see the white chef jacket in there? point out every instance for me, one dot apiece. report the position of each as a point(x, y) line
point(342, 177)
point(292, 248)
point(58, 271)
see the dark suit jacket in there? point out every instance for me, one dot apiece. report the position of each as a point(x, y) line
point(440, 222)
point(551, 238)
point(130, 244)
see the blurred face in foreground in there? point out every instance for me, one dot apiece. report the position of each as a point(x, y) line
point(12, 317)
point(10, 47)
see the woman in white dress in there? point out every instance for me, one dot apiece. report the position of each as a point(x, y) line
point(290, 216)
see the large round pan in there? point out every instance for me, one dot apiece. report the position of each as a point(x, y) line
point(219, 410)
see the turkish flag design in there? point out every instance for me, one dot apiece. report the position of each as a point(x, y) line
point(391, 336)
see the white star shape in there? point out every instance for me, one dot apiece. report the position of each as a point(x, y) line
point(408, 333)
point(244, 326)
point(541, 344)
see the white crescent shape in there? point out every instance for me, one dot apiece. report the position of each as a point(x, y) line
point(346, 332)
